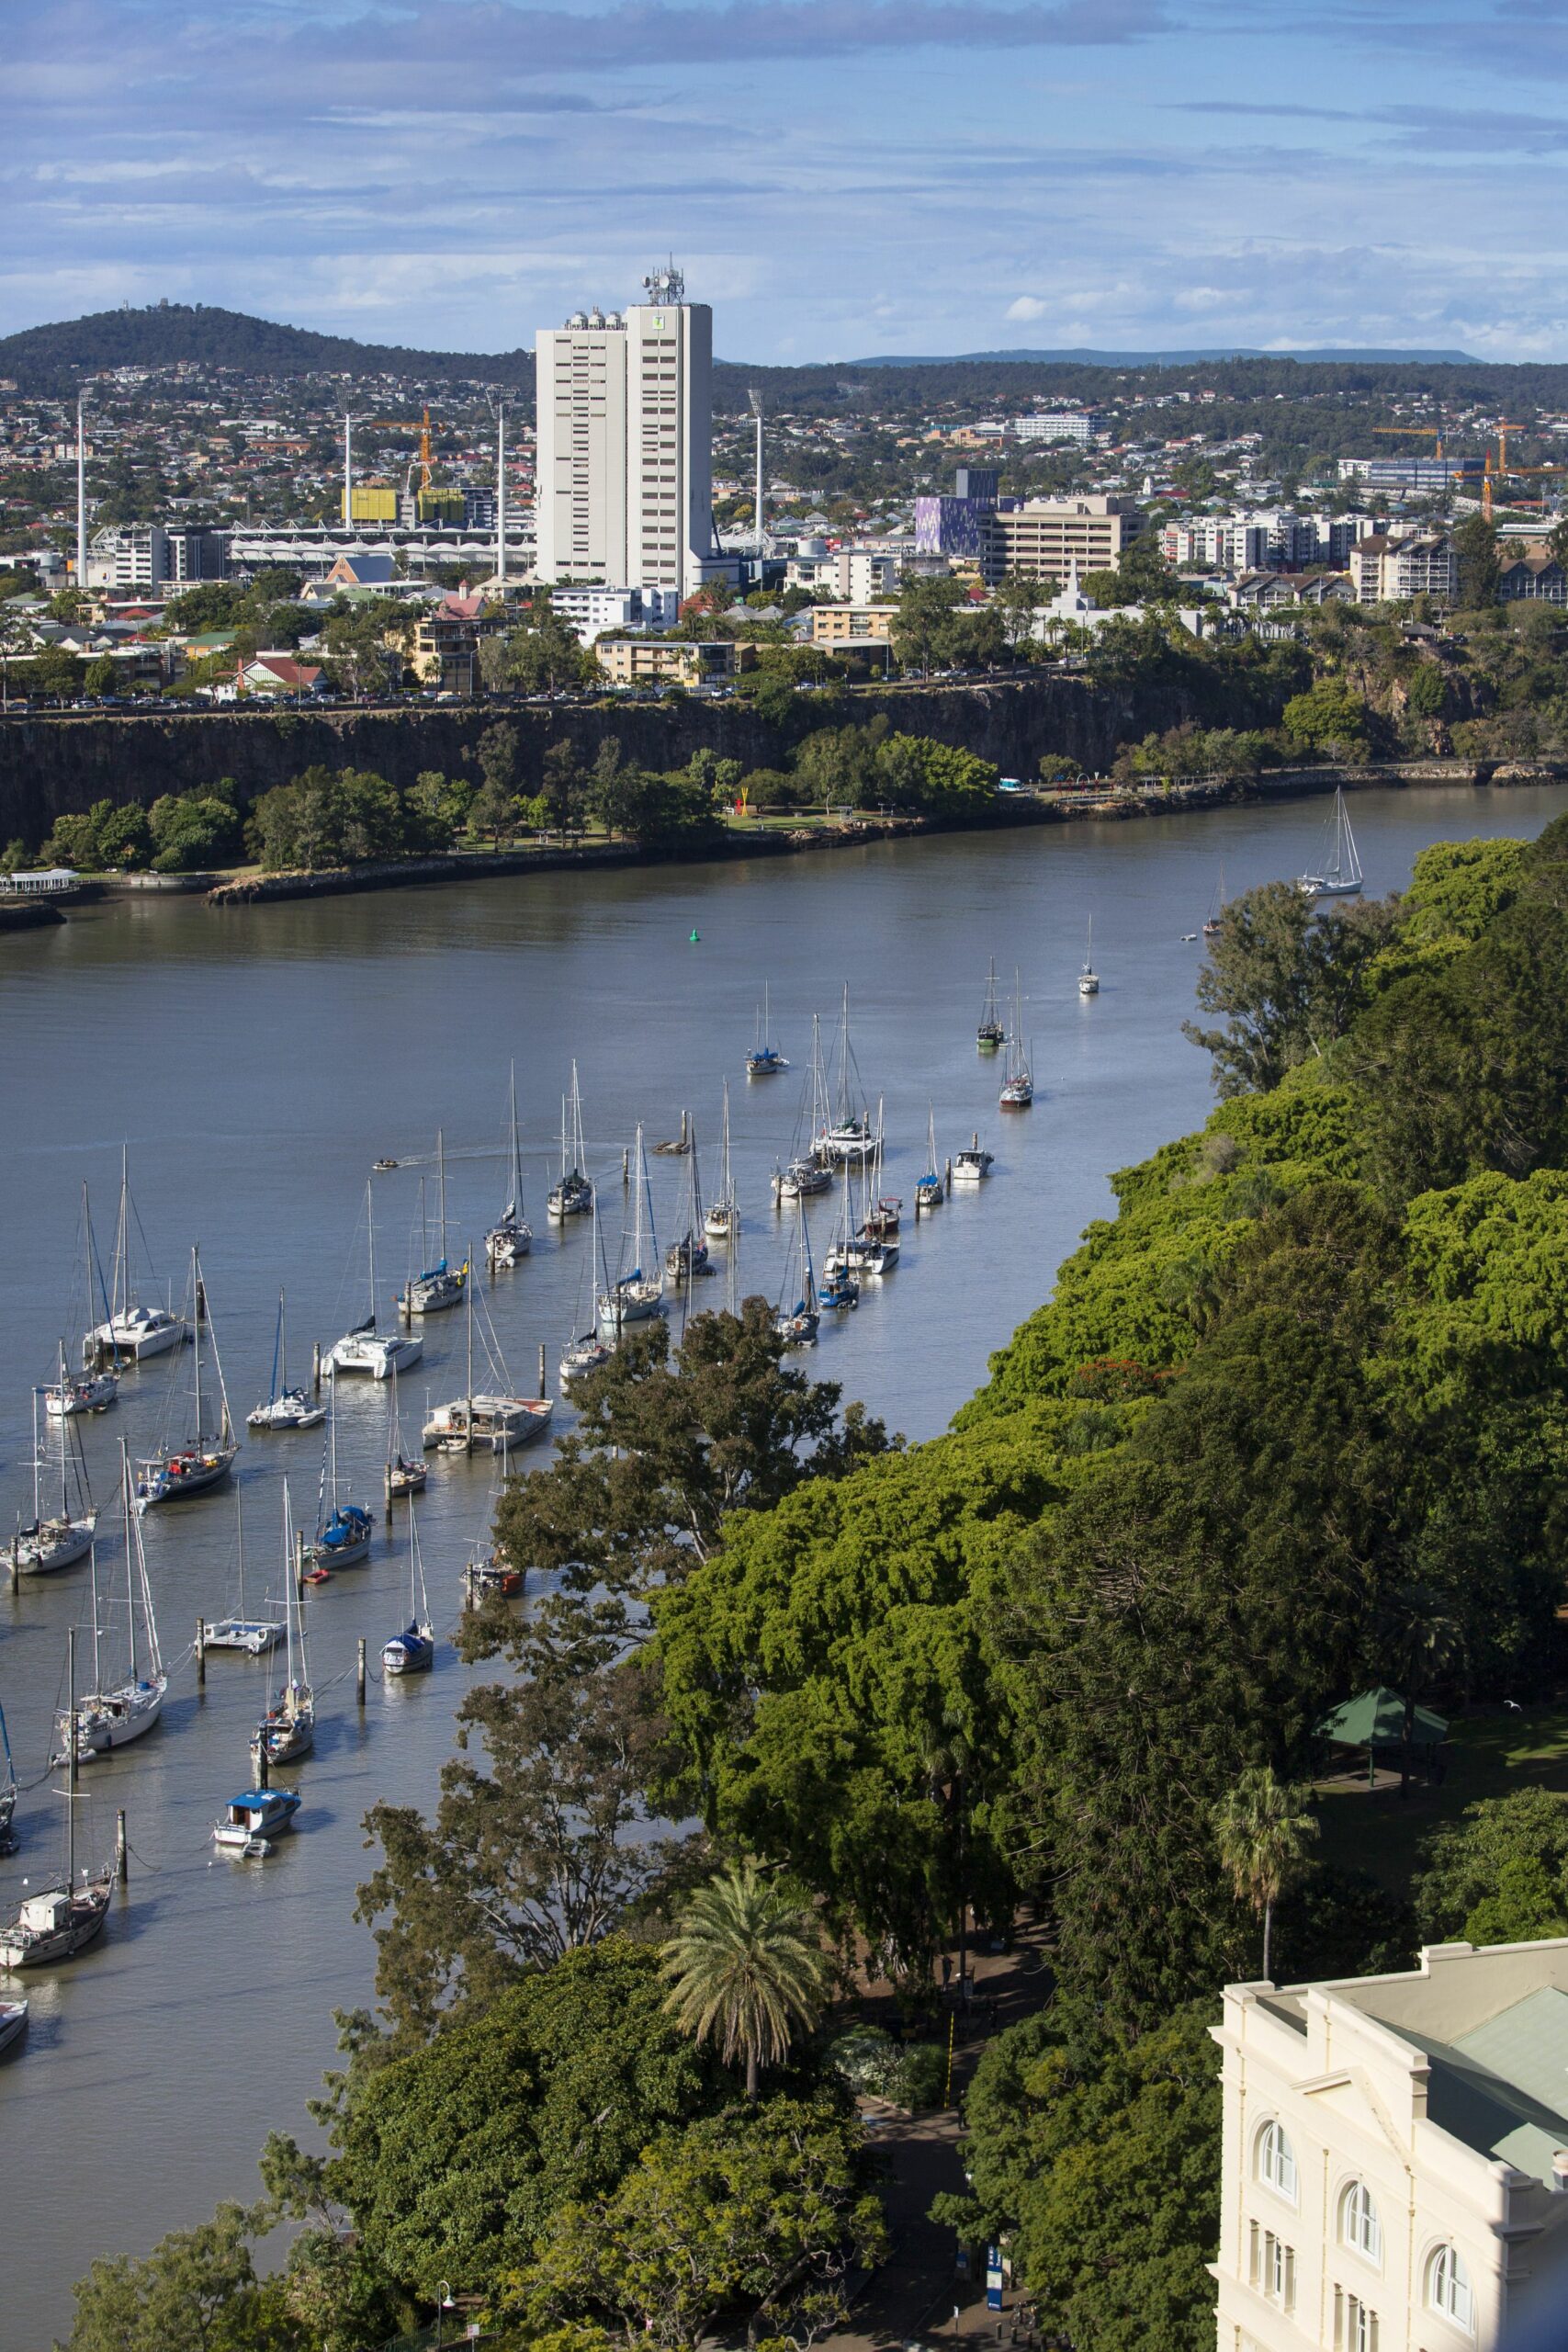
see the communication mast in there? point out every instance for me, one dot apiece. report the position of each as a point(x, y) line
point(756, 400)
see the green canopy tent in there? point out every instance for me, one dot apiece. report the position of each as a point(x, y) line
point(1376, 1720)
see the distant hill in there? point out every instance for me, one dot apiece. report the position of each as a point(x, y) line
point(53, 359)
point(1311, 353)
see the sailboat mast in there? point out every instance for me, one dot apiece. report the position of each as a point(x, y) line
point(122, 1239)
point(38, 1467)
point(441, 1186)
point(516, 1154)
point(290, 1588)
point(131, 1547)
point(65, 1426)
point(370, 1232)
point(70, 1761)
point(196, 1317)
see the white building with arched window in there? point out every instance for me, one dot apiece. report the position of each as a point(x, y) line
point(1396, 2168)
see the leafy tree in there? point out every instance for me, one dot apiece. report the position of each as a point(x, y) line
point(1143, 575)
point(98, 678)
point(925, 630)
point(191, 829)
point(1329, 717)
point(1100, 2165)
point(124, 835)
point(53, 675)
point(1500, 1875)
point(767, 2212)
point(747, 1966)
point(454, 2160)
point(196, 2291)
point(1480, 567)
point(563, 786)
point(495, 808)
point(1289, 976)
point(1262, 1835)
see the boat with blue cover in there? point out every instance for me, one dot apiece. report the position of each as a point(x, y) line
point(414, 1650)
point(764, 1060)
point(254, 1818)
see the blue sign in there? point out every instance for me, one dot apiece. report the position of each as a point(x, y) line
point(993, 2277)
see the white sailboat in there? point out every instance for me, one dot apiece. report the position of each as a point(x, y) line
point(513, 1237)
point(638, 1292)
point(344, 1530)
point(849, 1135)
point(928, 1183)
point(285, 1407)
point(1088, 979)
point(573, 1196)
point(131, 1330)
point(1018, 1082)
point(414, 1650)
point(440, 1285)
point(585, 1352)
point(60, 1921)
point(287, 1730)
point(87, 1391)
point(1215, 915)
point(114, 1714)
point(1340, 874)
point(206, 1458)
point(722, 1222)
point(365, 1348)
point(839, 1288)
point(404, 1476)
point(254, 1635)
point(57, 1538)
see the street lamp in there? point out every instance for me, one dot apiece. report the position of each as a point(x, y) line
point(444, 2303)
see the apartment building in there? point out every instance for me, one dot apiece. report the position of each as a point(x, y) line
point(590, 611)
point(148, 554)
point(1389, 569)
point(1075, 424)
point(624, 476)
point(658, 661)
point(1044, 535)
point(852, 624)
point(1395, 2153)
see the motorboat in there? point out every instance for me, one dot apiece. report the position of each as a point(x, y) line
point(881, 1221)
point(973, 1165)
point(13, 2022)
point(254, 1818)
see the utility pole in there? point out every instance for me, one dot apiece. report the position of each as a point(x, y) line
point(81, 497)
point(756, 400)
point(501, 495)
point(348, 468)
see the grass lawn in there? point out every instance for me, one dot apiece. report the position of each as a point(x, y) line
point(1373, 1830)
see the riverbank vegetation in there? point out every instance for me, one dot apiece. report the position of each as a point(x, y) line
point(1291, 1425)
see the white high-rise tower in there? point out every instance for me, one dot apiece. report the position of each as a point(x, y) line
point(624, 466)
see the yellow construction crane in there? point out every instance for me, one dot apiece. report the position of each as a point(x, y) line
point(412, 424)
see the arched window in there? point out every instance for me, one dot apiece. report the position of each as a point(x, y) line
point(1276, 2161)
point(1359, 2224)
point(1449, 2288)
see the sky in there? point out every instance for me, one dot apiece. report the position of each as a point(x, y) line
point(837, 177)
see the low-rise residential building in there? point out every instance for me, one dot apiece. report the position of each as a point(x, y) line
point(663, 660)
point(590, 611)
point(1044, 535)
point(1394, 2174)
point(1534, 577)
point(1389, 569)
point(445, 652)
point(852, 624)
point(279, 673)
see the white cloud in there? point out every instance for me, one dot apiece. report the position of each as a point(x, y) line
point(1027, 308)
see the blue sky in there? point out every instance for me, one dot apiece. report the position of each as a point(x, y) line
point(836, 176)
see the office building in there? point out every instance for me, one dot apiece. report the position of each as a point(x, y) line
point(1394, 2174)
point(957, 526)
point(1042, 537)
point(1428, 475)
point(153, 557)
point(623, 475)
point(1075, 424)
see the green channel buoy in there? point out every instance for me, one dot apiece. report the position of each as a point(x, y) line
point(695, 939)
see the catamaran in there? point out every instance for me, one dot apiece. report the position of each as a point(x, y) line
point(990, 1034)
point(207, 1457)
point(848, 1136)
point(88, 1391)
point(63, 1536)
point(764, 1060)
point(130, 1331)
point(365, 1348)
point(798, 1325)
point(254, 1635)
point(637, 1294)
point(414, 1650)
point(344, 1530)
point(114, 1714)
point(513, 1237)
point(1018, 1082)
point(287, 1730)
point(1340, 874)
point(722, 1222)
point(1088, 979)
point(62, 1920)
point(285, 1407)
point(442, 1284)
point(573, 1196)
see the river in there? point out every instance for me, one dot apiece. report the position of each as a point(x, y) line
point(255, 1063)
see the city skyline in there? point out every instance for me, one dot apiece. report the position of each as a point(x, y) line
point(837, 182)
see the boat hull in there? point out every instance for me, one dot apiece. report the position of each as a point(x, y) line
point(117, 1719)
point(20, 1948)
point(283, 1741)
point(292, 1410)
point(508, 1245)
point(254, 1635)
point(93, 1393)
point(377, 1357)
point(182, 1475)
point(134, 1338)
point(13, 2022)
point(39, 1550)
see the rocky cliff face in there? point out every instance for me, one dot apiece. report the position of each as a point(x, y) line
point(50, 766)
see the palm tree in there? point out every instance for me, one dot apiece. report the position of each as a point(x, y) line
point(1263, 1835)
point(747, 1967)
